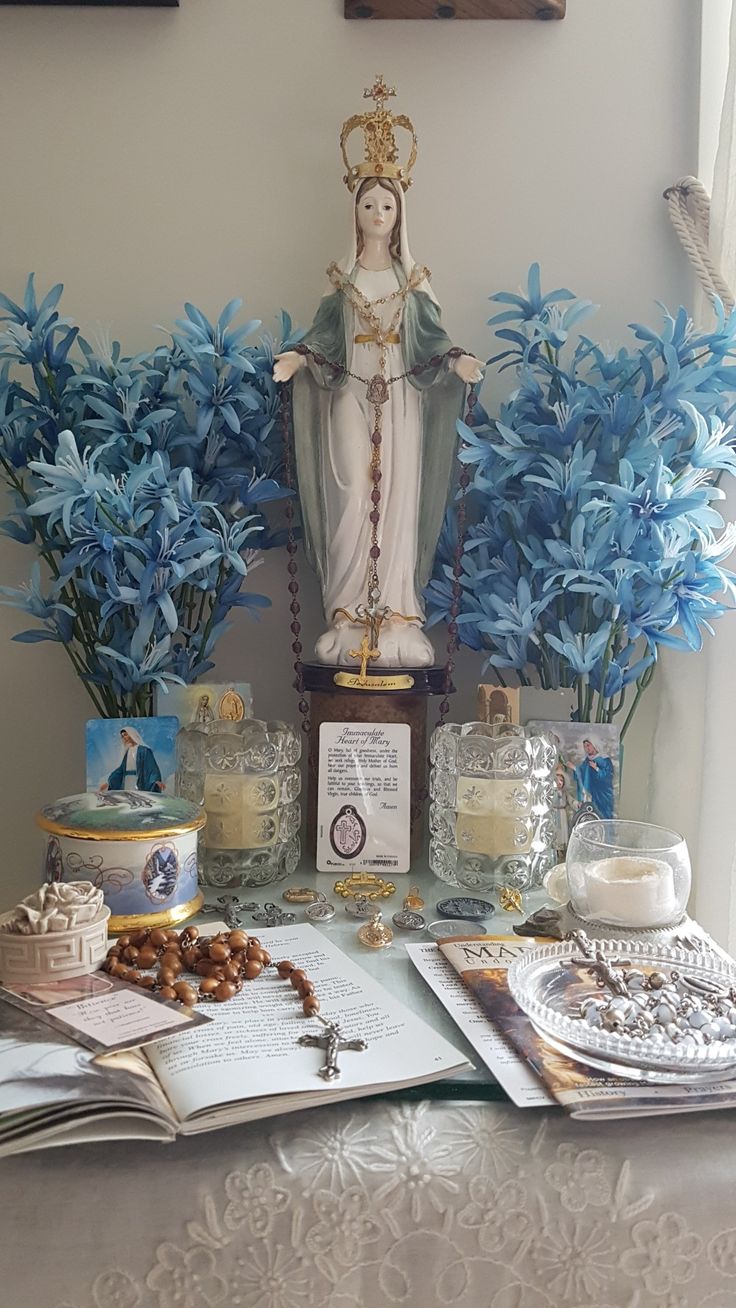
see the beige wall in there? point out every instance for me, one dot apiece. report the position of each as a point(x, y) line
point(153, 156)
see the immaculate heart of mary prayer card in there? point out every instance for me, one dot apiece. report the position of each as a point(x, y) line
point(363, 822)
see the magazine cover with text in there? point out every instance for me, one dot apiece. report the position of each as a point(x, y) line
point(483, 962)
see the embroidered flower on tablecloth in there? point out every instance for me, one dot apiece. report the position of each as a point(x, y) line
point(345, 1225)
point(267, 1277)
point(329, 1157)
point(482, 1141)
point(255, 1199)
point(420, 1166)
point(495, 1212)
point(114, 1289)
point(574, 1259)
point(722, 1252)
point(186, 1278)
point(665, 1253)
point(579, 1176)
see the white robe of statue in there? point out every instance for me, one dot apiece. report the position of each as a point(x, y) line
point(347, 428)
point(346, 425)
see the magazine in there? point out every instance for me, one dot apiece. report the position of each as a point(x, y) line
point(483, 962)
point(246, 1063)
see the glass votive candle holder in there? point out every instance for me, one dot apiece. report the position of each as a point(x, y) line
point(628, 874)
point(245, 776)
point(491, 819)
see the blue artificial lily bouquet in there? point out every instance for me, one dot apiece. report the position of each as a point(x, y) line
point(139, 482)
point(594, 537)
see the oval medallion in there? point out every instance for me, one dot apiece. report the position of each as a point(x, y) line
point(161, 873)
point(347, 833)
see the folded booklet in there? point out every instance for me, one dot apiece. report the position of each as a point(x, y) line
point(245, 1063)
point(482, 962)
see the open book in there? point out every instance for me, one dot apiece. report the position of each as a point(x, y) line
point(244, 1064)
point(514, 1049)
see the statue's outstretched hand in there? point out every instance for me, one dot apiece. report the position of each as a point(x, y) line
point(286, 364)
point(468, 369)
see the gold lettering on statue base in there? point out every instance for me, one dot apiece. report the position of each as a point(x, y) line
point(354, 681)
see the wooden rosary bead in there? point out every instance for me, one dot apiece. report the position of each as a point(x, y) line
point(139, 937)
point(130, 954)
point(166, 976)
point(123, 942)
point(310, 1006)
point(147, 957)
point(252, 969)
point(133, 975)
point(189, 936)
point(231, 971)
point(172, 935)
point(225, 990)
point(253, 951)
point(285, 969)
point(208, 985)
point(297, 976)
point(147, 982)
point(203, 967)
point(220, 952)
point(253, 940)
point(306, 988)
point(172, 962)
point(168, 992)
point(238, 940)
point(186, 993)
point(157, 938)
point(265, 958)
point(190, 957)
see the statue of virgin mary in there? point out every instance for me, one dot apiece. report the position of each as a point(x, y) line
point(378, 389)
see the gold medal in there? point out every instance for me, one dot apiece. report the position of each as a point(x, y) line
point(375, 934)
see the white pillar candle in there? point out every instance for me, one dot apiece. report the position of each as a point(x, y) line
point(630, 890)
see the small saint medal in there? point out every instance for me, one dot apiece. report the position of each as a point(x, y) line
point(347, 832)
point(321, 910)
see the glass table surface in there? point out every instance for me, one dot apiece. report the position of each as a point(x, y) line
point(392, 966)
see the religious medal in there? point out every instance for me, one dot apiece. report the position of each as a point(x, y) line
point(271, 916)
point(300, 895)
point(321, 910)
point(407, 920)
point(361, 906)
point(453, 926)
point(470, 909)
point(375, 934)
point(413, 899)
point(510, 899)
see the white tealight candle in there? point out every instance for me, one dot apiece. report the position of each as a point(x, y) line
point(631, 890)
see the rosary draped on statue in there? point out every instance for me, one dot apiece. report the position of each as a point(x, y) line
point(378, 388)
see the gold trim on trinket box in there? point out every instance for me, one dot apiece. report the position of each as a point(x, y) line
point(170, 918)
point(300, 895)
point(375, 934)
point(364, 883)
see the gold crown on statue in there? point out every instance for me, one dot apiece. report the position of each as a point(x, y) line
point(381, 151)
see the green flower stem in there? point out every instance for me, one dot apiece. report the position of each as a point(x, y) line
point(644, 681)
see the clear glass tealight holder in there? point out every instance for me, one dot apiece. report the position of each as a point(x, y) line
point(491, 819)
point(628, 874)
point(246, 777)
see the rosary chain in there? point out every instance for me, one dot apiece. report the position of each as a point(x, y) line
point(292, 549)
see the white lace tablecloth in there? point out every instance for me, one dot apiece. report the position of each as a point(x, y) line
point(375, 1204)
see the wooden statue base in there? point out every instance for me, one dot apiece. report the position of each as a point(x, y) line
point(396, 695)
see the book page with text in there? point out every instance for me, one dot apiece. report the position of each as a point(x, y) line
point(251, 1050)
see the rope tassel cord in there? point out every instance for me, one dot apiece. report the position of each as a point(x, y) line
point(689, 209)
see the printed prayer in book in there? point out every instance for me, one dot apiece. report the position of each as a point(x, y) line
point(245, 1063)
point(482, 962)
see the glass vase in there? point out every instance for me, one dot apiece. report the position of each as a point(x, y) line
point(492, 819)
point(246, 777)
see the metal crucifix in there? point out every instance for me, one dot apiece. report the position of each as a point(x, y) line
point(333, 1044)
